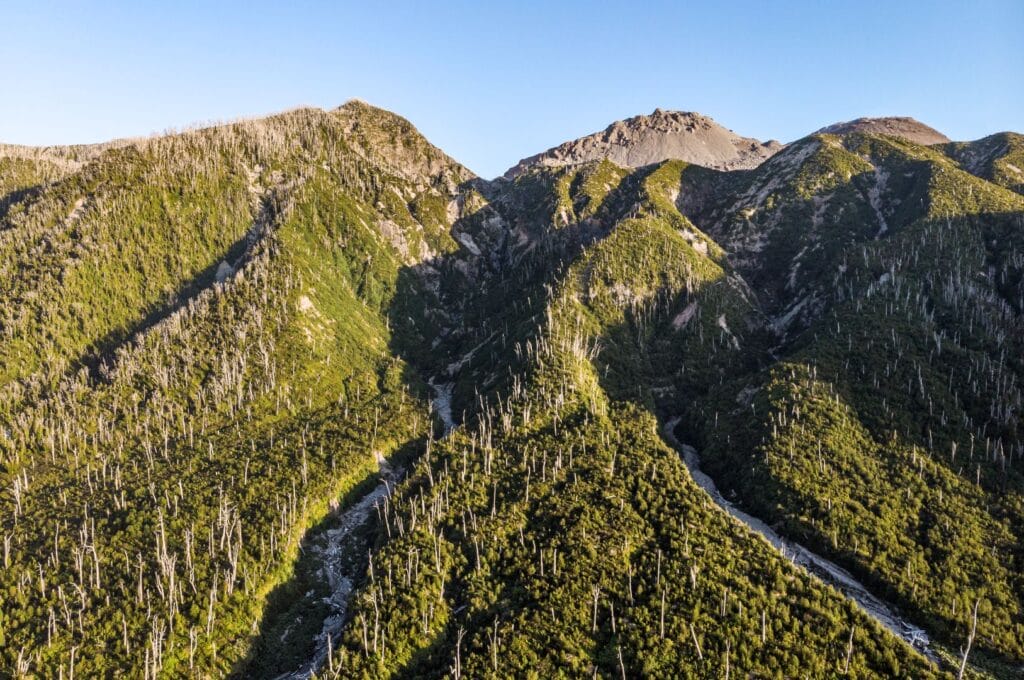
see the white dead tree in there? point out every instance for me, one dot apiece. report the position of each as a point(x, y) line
point(970, 640)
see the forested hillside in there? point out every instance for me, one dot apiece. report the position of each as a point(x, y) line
point(302, 395)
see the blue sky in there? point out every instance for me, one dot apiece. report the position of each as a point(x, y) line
point(491, 82)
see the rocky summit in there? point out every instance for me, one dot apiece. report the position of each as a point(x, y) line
point(902, 127)
point(663, 135)
point(302, 396)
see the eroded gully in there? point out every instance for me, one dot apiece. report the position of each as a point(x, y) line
point(819, 567)
point(334, 547)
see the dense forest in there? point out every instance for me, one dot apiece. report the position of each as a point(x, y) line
point(302, 395)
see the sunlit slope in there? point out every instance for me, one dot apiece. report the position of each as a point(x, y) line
point(154, 499)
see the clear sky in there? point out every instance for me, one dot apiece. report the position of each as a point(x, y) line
point(490, 82)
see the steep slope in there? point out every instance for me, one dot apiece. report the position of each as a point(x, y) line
point(663, 135)
point(162, 494)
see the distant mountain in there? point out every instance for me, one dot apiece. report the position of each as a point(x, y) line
point(904, 128)
point(302, 395)
point(661, 136)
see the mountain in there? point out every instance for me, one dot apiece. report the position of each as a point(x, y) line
point(663, 135)
point(302, 394)
point(904, 128)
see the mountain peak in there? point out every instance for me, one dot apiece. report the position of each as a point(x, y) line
point(390, 139)
point(662, 135)
point(894, 126)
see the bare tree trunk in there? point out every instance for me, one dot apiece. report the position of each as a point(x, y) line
point(457, 668)
point(662, 613)
point(693, 634)
point(849, 651)
point(970, 641)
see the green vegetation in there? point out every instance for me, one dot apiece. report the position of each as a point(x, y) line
point(998, 158)
point(158, 494)
point(214, 343)
point(888, 434)
point(558, 536)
